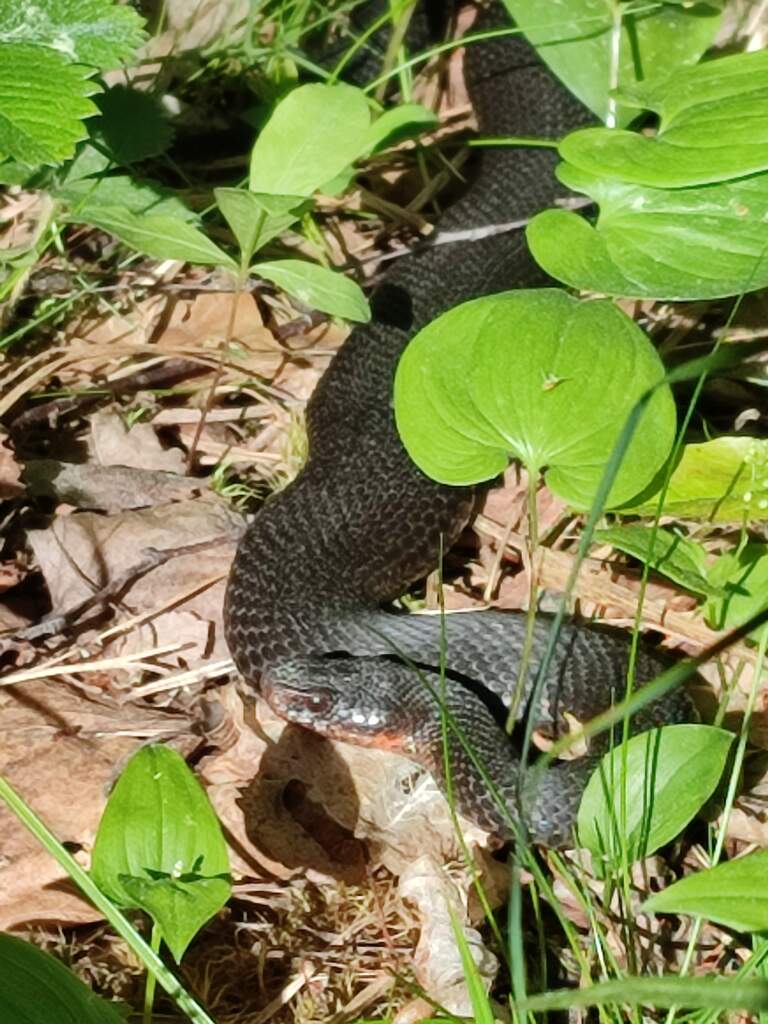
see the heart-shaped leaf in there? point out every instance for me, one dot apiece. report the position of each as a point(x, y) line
point(691, 243)
point(539, 376)
point(713, 126)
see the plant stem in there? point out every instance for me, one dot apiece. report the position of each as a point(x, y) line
point(149, 984)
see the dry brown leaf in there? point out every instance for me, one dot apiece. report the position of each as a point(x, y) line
point(212, 319)
point(81, 554)
point(109, 488)
point(60, 751)
point(113, 443)
point(10, 471)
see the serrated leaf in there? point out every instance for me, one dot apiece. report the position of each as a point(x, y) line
point(714, 126)
point(132, 125)
point(317, 287)
point(670, 773)
point(538, 376)
point(159, 846)
point(256, 219)
point(99, 33)
point(43, 101)
point(734, 894)
point(574, 38)
point(692, 243)
point(37, 989)
point(721, 481)
point(312, 135)
point(403, 122)
point(671, 554)
point(159, 236)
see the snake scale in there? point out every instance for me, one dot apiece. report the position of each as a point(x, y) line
point(360, 523)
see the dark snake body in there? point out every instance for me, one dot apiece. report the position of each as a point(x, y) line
point(361, 523)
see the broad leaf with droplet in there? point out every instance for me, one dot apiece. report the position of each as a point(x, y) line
point(724, 480)
point(159, 847)
point(670, 773)
point(539, 376)
point(687, 243)
point(713, 126)
point(734, 894)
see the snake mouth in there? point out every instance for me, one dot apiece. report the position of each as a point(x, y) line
point(323, 711)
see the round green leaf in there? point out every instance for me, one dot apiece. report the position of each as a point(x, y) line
point(734, 894)
point(317, 287)
point(670, 773)
point(313, 133)
point(35, 988)
point(159, 846)
point(539, 376)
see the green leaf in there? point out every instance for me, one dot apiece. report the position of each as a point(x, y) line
point(744, 578)
point(482, 1008)
point(734, 894)
point(99, 33)
point(671, 554)
point(722, 481)
point(574, 38)
point(693, 243)
point(156, 235)
point(666, 990)
point(317, 287)
point(43, 100)
point(88, 196)
point(257, 219)
point(159, 846)
point(403, 122)
point(539, 376)
point(132, 125)
point(670, 773)
point(37, 989)
point(313, 133)
point(714, 126)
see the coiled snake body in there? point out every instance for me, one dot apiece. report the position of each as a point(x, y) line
point(360, 523)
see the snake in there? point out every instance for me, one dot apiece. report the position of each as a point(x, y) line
point(309, 615)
